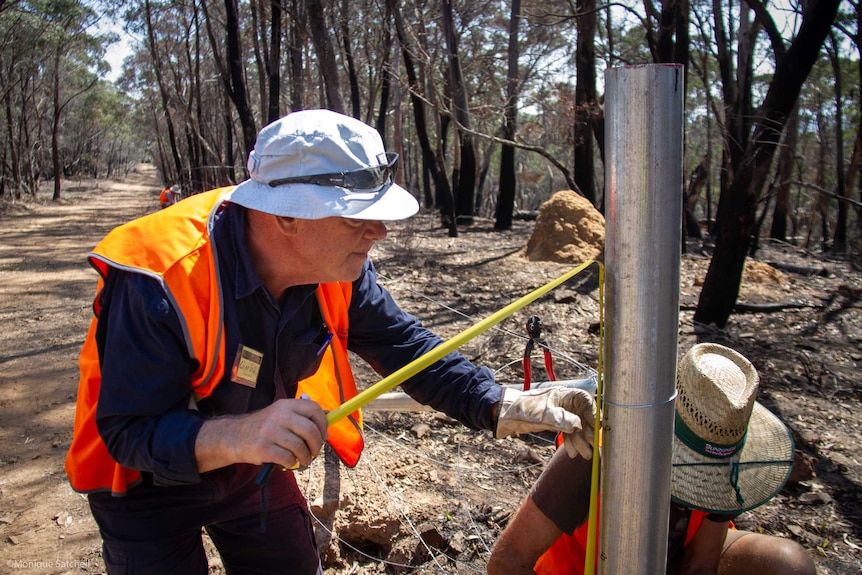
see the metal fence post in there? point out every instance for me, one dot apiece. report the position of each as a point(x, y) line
point(643, 212)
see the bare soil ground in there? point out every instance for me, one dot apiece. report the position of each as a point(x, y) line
point(428, 496)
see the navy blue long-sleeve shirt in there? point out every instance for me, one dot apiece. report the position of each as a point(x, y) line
point(144, 413)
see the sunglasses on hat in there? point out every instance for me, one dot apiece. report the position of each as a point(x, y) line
point(365, 179)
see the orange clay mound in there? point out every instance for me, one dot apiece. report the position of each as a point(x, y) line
point(569, 229)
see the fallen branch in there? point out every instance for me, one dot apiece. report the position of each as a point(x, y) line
point(800, 269)
point(744, 307)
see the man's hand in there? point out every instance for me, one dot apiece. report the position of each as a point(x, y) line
point(571, 411)
point(288, 432)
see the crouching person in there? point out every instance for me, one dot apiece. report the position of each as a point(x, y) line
point(716, 406)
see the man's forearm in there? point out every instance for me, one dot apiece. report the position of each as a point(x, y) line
point(215, 444)
point(287, 432)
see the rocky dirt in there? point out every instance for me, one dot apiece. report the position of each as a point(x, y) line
point(428, 496)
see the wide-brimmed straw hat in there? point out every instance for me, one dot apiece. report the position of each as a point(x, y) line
point(314, 164)
point(730, 454)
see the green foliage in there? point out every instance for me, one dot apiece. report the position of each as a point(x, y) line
point(50, 56)
point(182, 114)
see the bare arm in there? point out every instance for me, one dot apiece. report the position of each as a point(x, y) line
point(529, 534)
point(702, 555)
point(287, 432)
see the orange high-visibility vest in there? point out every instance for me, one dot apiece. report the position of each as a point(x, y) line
point(185, 264)
point(568, 553)
point(167, 197)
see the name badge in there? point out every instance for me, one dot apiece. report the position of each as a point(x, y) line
point(246, 366)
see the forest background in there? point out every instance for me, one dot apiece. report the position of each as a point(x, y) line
point(492, 106)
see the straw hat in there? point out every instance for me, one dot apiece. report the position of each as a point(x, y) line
point(730, 454)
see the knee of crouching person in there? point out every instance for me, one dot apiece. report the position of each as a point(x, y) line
point(795, 559)
point(496, 565)
point(504, 562)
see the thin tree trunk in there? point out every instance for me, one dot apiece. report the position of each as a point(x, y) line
point(506, 197)
point(853, 173)
point(55, 126)
point(273, 63)
point(483, 176)
point(822, 200)
point(228, 134)
point(466, 174)
point(839, 240)
point(672, 46)
point(206, 180)
point(585, 100)
point(13, 150)
point(429, 159)
point(352, 77)
point(397, 143)
point(385, 75)
point(260, 49)
point(238, 91)
point(320, 37)
point(786, 160)
point(294, 50)
point(157, 69)
point(856, 179)
point(696, 182)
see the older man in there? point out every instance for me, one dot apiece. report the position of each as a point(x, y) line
point(220, 339)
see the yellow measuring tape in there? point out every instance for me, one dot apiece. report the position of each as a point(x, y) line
point(592, 526)
point(397, 378)
point(400, 376)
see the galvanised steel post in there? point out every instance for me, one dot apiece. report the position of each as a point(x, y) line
point(643, 213)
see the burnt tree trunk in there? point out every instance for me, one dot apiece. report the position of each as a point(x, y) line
point(429, 159)
point(465, 176)
point(325, 54)
point(157, 69)
point(385, 76)
point(273, 63)
point(736, 211)
point(238, 91)
point(585, 100)
point(506, 196)
point(352, 77)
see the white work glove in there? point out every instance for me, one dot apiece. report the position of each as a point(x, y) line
point(569, 410)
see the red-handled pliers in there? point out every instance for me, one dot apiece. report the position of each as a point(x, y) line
point(534, 331)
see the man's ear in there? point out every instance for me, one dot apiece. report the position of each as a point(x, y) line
point(288, 225)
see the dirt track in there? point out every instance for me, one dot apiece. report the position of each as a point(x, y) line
point(45, 298)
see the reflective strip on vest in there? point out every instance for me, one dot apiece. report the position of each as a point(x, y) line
point(187, 268)
point(333, 383)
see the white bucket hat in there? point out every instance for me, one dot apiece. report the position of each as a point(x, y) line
point(315, 164)
point(730, 454)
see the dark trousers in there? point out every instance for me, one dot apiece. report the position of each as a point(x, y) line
point(157, 530)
